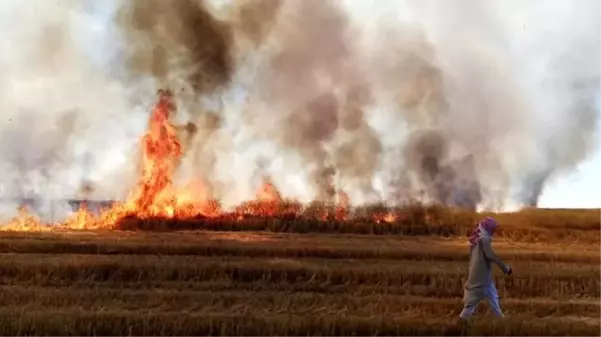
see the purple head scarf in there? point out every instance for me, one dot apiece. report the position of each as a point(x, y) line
point(487, 225)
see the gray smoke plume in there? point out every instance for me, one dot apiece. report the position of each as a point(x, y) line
point(572, 83)
point(253, 20)
point(460, 102)
point(409, 69)
point(469, 84)
point(548, 117)
point(58, 104)
point(181, 45)
point(177, 41)
point(311, 81)
point(463, 85)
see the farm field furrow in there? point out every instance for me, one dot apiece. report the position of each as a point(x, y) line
point(182, 268)
point(290, 246)
point(243, 301)
point(109, 322)
point(442, 278)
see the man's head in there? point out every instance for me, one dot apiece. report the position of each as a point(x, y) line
point(489, 224)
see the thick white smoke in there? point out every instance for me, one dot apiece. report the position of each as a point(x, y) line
point(63, 118)
point(513, 83)
point(526, 74)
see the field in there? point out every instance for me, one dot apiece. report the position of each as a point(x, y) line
point(288, 277)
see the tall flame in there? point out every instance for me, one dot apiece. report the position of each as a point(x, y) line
point(161, 150)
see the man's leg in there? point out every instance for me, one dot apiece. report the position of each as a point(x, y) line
point(493, 301)
point(470, 303)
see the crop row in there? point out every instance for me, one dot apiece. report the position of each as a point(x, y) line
point(109, 322)
point(407, 277)
point(269, 302)
point(291, 248)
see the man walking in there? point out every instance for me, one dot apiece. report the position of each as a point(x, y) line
point(480, 285)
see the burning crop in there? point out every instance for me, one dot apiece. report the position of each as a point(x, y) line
point(156, 197)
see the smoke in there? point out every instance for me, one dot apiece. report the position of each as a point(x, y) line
point(567, 97)
point(357, 155)
point(253, 21)
point(178, 41)
point(311, 81)
point(552, 65)
point(180, 45)
point(462, 102)
point(58, 105)
point(511, 87)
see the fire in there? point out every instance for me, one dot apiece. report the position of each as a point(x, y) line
point(268, 202)
point(343, 206)
point(82, 219)
point(160, 151)
point(268, 192)
point(155, 195)
point(385, 217)
point(24, 222)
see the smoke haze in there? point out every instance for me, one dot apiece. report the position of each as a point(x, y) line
point(464, 102)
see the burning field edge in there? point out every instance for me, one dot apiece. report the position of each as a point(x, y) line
point(156, 203)
point(530, 225)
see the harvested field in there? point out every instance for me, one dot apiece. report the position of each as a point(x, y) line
point(306, 167)
point(258, 282)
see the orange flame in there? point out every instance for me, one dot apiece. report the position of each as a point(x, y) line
point(160, 150)
point(268, 192)
point(343, 206)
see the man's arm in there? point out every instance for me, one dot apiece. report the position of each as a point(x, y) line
point(490, 254)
